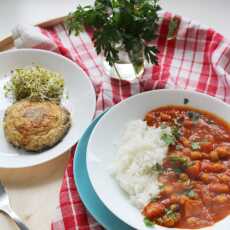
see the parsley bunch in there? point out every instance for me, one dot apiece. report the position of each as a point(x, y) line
point(129, 25)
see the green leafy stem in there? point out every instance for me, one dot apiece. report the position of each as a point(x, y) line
point(128, 25)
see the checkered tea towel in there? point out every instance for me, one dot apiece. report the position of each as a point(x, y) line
point(198, 59)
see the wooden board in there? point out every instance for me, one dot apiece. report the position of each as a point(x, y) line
point(8, 42)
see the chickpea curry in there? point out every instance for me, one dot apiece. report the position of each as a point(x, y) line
point(195, 175)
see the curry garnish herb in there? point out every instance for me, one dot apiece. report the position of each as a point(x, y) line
point(161, 186)
point(194, 116)
point(170, 213)
point(155, 198)
point(178, 170)
point(176, 132)
point(178, 121)
point(148, 222)
point(195, 145)
point(186, 101)
point(210, 122)
point(176, 159)
point(190, 193)
point(180, 163)
point(169, 139)
point(163, 126)
point(158, 168)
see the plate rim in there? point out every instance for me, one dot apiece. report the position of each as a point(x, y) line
point(92, 112)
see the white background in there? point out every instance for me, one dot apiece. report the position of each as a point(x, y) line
point(34, 192)
point(214, 13)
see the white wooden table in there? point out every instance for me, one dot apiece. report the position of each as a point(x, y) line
point(34, 191)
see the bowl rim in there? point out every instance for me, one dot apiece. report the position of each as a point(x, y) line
point(110, 111)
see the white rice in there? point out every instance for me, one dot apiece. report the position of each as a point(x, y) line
point(140, 149)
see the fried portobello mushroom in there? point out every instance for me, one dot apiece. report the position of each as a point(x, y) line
point(36, 126)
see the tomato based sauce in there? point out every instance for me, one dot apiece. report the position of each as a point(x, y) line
point(195, 175)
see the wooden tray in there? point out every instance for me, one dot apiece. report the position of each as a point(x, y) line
point(8, 42)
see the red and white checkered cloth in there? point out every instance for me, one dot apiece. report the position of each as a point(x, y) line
point(197, 59)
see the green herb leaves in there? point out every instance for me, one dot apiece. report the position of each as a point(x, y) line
point(104, 42)
point(148, 222)
point(176, 132)
point(179, 159)
point(158, 168)
point(171, 214)
point(194, 116)
point(163, 126)
point(210, 122)
point(120, 25)
point(161, 186)
point(180, 163)
point(168, 139)
point(190, 193)
point(195, 145)
point(150, 53)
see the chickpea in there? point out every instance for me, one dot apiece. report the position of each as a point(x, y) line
point(223, 151)
point(174, 198)
point(165, 117)
point(207, 146)
point(186, 151)
point(153, 210)
point(221, 198)
point(213, 167)
point(185, 142)
point(188, 124)
point(214, 155)
point(195, 155)
point(183, 199)
point(218, 167)
point(149, 118)
point(207, 178)
point(224, 178)
point(194, 170)
point(169, 221)
point(219, 188)
point(168, 189)
point(183, 177)
point(192, 220)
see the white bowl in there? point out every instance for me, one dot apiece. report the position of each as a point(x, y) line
point(102, 146)
point(81, 103)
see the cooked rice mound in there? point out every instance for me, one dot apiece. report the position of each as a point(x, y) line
point(140, 149)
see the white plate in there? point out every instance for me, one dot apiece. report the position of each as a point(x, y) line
point(81, 103)
point(102, 146)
